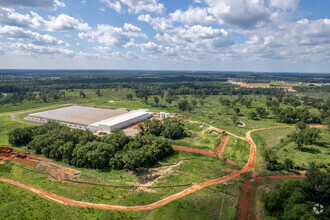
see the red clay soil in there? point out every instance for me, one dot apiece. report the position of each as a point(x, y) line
point(243, 203)
point(57, 171)
point(230, 162)
point(216, 149)
point(208, 153)
point(223, 147)
point(22, 161)
point(68, 201)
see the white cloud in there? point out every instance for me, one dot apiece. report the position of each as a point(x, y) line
point(110, 35)
point(113, 4)
point(44, 4)
point(239, 13)
point(12, 32)
point(285, 4)
point(62, 22)
point(144, 5)
point(160, 24)
point(192, 15)
point(41, 49)
point(196, 39)
point(136, 6)
point(65, 23)
point(154, 48)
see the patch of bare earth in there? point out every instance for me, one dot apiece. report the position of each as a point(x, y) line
point(57, 171)
point(156, 174)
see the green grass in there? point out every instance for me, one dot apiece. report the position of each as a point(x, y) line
point(204, 204)
point(195, 170)
point(18, 203)
point(7, 125)
point(271, 139)
point(237, 150)
point(206, 141)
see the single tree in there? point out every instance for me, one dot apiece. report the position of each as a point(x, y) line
point(156, 99)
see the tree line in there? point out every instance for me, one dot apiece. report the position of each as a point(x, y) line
point(83, 149)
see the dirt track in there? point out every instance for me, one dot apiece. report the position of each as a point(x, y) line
point(68, 201)
point(223, 147)
point(4, 96)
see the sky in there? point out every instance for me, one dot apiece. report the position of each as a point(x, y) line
point(219, 35)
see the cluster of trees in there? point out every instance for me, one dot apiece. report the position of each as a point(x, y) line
point(304, 135)
point(169, 128)
point(291, 115)
point(273, 163)
point(83, 149)
point(307, 199)
point(44, 95)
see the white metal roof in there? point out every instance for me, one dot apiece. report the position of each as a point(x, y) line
point(121, 118)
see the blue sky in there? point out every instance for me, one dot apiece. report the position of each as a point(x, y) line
point(225, 35)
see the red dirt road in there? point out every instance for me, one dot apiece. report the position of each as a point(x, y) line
point(71, 202)
point(223, 147)
point(208, 153)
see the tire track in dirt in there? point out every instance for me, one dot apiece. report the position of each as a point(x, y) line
point(157, 204)
point(223, 147)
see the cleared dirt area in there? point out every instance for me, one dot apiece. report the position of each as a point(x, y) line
point(159, 173)
point(57, 171)
point(7, 153)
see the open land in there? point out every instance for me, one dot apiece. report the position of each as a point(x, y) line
point(207, 176)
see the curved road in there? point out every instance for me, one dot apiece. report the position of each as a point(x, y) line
point(4, 96)
point(71, 202)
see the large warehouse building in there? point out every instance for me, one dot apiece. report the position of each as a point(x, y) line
point(120, 121)
point(92, 118)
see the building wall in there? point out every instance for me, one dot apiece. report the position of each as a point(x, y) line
point(129, 122)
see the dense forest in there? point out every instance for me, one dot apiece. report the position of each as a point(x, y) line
point(307, 199)
point(83, 149)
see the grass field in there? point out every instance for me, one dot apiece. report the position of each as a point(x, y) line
point(271, 139)
point(205, 204)
point(6, 125)
point(238, 151)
